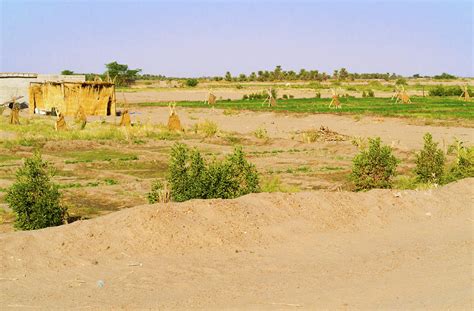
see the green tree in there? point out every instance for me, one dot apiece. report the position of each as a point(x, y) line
point(67, 72)
point(430, 161)
point(343, 74)
point(228, 76)
point(34, 198)
point(192, 82)
point(121, 74)
point(374, 167)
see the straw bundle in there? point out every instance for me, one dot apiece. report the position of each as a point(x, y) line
point(60, 123)
point(15, 115)
point(125, 118)
point(212, 99)
point(174, 124)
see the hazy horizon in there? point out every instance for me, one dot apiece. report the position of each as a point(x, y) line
point(208, 38)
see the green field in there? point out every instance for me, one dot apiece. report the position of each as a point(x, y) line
point(442, 108)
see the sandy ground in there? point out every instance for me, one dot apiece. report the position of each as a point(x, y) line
point(313, 250)
point(397, 132)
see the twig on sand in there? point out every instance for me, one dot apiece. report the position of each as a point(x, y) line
point(286, 304)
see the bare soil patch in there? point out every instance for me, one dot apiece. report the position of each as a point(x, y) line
point(262, 251)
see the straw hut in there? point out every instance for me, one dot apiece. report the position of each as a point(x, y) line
point(96, 98)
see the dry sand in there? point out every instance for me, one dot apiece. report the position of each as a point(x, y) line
point(394, 131)
point(316, 250)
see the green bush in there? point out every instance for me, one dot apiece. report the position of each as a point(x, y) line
point(441, 90)
point(374, 167)
point(444, 76)
point(34, 198)
point(192, 82)
point(370, 93)
point(190, 177)
point(463, 165)
point(159, 193)
point(401, 81)
point(430, 162)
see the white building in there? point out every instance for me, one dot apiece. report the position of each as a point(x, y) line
point(17, 83)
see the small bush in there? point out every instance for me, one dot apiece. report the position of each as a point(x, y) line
point(190, 177)
point(364, 94)
point(441, 90)
point(430, 162)
point(256, 96)
point(463, 165)
point(261, 133)
point(192, 82)
point(159, 193)
point(318, 95)
point(401, 81)
point(34, 198)
point(370, 93)
point(209, 128)
point(374, 167)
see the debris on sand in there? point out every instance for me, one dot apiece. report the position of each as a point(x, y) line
point(323, 134)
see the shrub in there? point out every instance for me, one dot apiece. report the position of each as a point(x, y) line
point(256, 96)
point(318, 95)
point(261, 133)
point(444, 76)
point(192, 82)
point(463, 165)
point(208, 128)
point(159, 193)
point(34, 198)
point(374, 167)
point(441, 90)
point(190, 177)
point(364, 94)
point(401, 81)
point(370, 93)
point(430, 162)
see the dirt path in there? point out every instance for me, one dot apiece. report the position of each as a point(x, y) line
point(397, 132)
point(390, 250)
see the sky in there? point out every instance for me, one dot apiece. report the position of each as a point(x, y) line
point(207, 38)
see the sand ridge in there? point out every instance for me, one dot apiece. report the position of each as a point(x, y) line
point(260, 251)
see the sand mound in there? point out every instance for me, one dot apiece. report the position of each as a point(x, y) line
point(254, 252)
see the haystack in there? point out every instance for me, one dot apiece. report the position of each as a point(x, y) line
point(125, 118)
point(60, 123)
point(335, 100)
point(174, 124)
point(211, 100)
point(80, 117)
point(15, 114)
point(270, 99)
point(96, 98)
point(465, 93)
point(401, 95)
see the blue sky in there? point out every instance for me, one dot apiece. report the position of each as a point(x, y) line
point(197, 38)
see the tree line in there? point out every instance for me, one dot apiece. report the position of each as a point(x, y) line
point(124, 76)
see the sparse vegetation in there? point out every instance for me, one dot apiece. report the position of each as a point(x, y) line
point(34, 198)
point(192, 82)
point(374, 167)
point(430, 162)
point(191, 177)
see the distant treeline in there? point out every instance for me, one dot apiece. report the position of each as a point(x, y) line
point(126, 76)
point(278, 74)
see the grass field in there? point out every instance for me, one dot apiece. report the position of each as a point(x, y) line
point(446, 108)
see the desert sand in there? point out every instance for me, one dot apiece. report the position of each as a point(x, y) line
point(383, 249)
